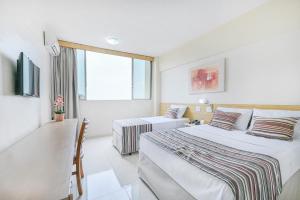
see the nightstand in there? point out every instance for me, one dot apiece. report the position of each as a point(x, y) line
point(190, 125)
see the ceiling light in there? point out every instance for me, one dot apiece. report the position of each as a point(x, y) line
point(112, 40)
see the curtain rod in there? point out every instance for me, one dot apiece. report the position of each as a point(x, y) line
point(102, 50)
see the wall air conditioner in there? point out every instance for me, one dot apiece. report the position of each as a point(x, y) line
point(51, 44)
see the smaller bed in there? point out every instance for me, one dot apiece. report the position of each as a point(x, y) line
point(126, 132)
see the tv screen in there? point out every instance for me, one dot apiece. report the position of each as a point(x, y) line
point(28, 77)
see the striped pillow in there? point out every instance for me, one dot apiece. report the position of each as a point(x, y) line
point(224, 120)
point(172, 113)
point(275, 128)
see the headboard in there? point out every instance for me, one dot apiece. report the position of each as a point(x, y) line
point(190, 112)
point(259, 106)
point(206, 116)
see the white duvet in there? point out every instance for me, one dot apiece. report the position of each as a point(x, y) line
point(158, 122)
point(205, 186)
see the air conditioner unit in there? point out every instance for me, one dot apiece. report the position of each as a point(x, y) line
point(51, 44)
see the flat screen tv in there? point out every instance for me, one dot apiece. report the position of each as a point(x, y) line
point(28, 77)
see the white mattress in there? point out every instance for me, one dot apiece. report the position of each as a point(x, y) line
point(158, 122)
point(205, 186)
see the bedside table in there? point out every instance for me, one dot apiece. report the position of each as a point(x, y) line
point(192, 124)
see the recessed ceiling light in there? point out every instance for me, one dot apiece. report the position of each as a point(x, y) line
point(112, 40)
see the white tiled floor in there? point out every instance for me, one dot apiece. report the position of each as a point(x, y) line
point(110, 176)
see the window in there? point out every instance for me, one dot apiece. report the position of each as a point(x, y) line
point(81, 73)
point(109, 77)
point(141, 79)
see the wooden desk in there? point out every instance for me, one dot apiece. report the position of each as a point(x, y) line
point(40, 165)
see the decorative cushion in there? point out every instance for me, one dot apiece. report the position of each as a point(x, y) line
point(274, 114)
point(242, 122)
point(224, 120)
point(172, 113)
point(275, 128)
point(181, 110)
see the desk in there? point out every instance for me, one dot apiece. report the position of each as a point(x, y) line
point(39, 166)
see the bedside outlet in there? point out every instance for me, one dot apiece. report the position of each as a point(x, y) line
point(197, 109)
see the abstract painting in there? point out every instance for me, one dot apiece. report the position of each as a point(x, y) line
point(208, 77)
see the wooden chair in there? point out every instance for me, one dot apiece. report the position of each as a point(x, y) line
point(77, 161)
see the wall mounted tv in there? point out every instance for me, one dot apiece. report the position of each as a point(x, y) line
point(28, 77)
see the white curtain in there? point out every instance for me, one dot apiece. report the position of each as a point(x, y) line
point(64, 81)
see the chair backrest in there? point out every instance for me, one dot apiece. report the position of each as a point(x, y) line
point(83, 129)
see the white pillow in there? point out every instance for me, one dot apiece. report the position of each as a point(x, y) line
point(276, 114)
point(181, 110)
point(243, 120)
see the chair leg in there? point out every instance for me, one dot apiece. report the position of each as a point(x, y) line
point(78, 178)
point(81, 169)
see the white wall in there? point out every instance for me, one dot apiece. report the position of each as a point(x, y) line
point(102, 113)
point(20, 115)
point(262, 58)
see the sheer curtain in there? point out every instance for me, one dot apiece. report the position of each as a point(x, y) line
point(64, 81)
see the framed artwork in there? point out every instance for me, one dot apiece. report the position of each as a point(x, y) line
point(208, 77)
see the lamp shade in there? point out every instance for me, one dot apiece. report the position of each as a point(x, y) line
point(203, 101)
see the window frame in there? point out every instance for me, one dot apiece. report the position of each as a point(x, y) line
point(84, 97)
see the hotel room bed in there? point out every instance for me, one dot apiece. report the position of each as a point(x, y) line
point(126, 132)
point(171, 177)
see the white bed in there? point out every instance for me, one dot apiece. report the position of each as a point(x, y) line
point(158, 122)
point(196, 184)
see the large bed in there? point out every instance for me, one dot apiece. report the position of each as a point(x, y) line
point(171, 177)
point(126, 132)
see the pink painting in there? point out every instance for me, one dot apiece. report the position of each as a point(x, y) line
point(207, 78)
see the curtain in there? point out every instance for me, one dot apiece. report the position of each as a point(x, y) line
point(64, 81)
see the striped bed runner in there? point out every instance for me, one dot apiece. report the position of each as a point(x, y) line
point(251, 176)
point(131, 130)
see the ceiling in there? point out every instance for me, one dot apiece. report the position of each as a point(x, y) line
point(151, 27)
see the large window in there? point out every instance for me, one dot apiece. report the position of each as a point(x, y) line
point(81, 73)
point(109, 77)
point(141, 79)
